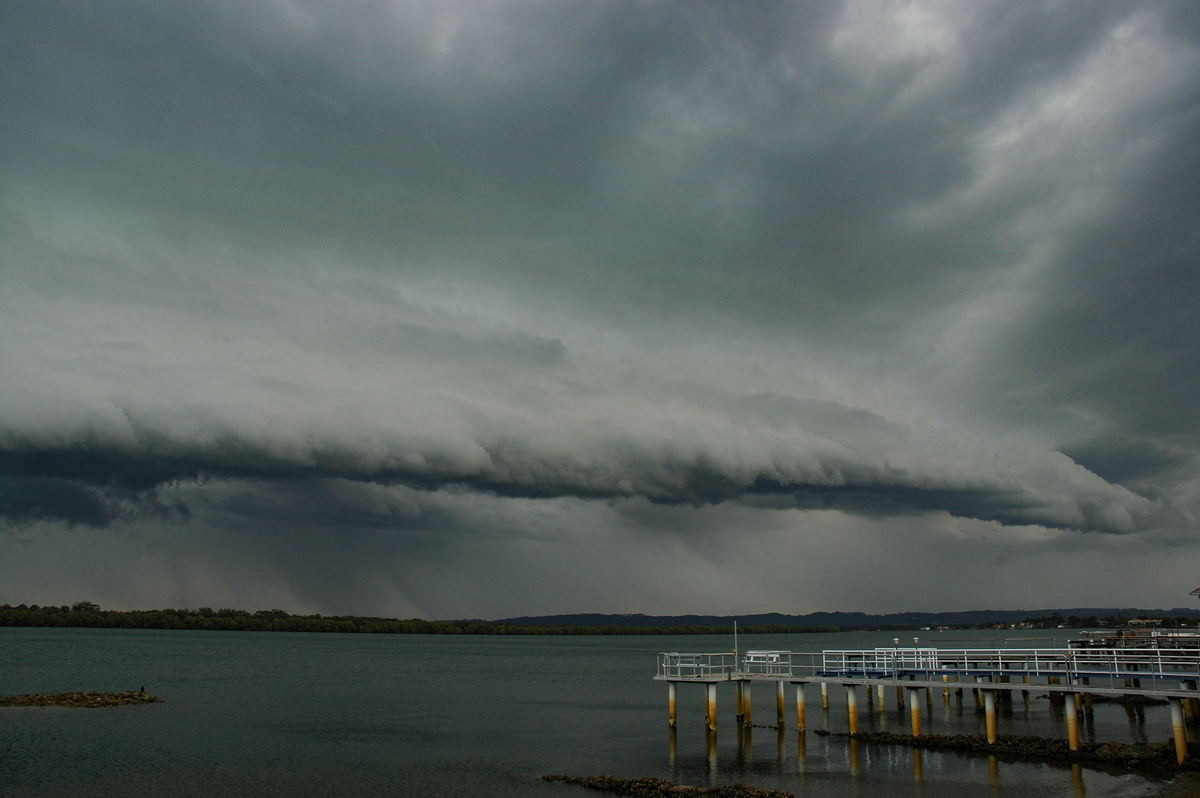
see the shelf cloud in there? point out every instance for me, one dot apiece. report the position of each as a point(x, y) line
point(480, 309)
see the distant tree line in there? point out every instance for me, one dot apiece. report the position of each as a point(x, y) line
point(1057, 621)
point(89, 615)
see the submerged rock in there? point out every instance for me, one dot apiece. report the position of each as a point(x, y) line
point(1147, 757)
point(79, 699)
point(658, 788)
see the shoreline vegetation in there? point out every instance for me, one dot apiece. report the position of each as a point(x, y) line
point(80, 700)
point(87, 614)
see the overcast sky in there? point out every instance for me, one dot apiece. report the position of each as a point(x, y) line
point(478, 309)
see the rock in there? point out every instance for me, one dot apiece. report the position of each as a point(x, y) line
point(658, 788)
point(1149, 757)
point(79, 699)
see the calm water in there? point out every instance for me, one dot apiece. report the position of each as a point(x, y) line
point(410, 715)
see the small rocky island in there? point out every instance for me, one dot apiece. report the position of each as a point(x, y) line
point(80, 699)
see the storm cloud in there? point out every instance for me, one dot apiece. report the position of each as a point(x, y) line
point(370, 296)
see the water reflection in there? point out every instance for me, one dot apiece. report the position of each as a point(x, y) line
point(1077, 781)
point(745, 741)
point(1136, 716)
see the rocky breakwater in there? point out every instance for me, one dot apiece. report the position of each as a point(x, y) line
point(88, 700)
point(658, 788)
point(1157, 758)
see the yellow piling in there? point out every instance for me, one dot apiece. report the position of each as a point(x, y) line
point(914, 710)
point(780, 702)
point(1072, 714)
point(671, 703)
point(801, 721)
point(710, 710)
point(989, 711)
point(1178, 729)
point(852, 708)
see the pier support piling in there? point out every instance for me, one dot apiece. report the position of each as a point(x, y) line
point(710, 709)
point(1178, 729)
point(780, 703)
point(852, 708)
point(1072, 722)
point(671, 706)
point(989, 711)
point(914, 710)
point(801, 721)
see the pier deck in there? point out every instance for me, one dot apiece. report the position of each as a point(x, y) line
point(1075, 673)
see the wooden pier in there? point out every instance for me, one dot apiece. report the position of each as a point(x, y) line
point(1074, 674)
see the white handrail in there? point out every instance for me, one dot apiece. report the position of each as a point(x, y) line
point(1073, 665)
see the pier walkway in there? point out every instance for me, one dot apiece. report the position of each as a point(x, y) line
point(1074, 674)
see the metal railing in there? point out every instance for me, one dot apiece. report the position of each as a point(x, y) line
point(1071, 665)
point(701, 667)
point(1113, 667)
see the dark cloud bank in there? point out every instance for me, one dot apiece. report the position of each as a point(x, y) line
point(482, 308)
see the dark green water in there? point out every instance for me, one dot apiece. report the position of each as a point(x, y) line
point(262, 714)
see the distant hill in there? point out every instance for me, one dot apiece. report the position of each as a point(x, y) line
point(845, 620)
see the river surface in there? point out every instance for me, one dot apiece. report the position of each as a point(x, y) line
point(295, 714)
